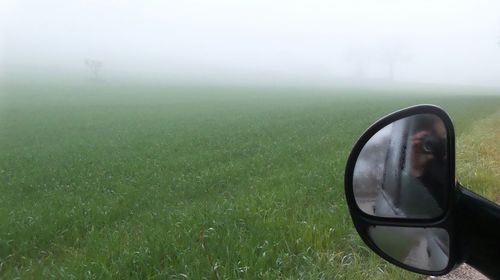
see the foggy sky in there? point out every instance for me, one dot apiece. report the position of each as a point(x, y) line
point(445, 42)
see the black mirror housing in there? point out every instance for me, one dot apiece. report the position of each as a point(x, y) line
point(392, 151)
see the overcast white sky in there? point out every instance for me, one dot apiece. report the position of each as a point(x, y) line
point(448, 41)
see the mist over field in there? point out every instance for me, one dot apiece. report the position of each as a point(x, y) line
point(208, 139)
point(254, 42)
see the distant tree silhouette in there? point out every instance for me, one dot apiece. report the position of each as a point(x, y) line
point(359, 58)
point(94, 67)
point(393, 53)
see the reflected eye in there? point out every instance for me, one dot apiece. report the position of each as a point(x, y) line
point(434, 145)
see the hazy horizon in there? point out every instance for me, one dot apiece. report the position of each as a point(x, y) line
point(254, 42)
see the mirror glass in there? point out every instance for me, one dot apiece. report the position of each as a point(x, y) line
point(402, 170)
point(423, 248)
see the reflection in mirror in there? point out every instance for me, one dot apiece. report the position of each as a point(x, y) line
point(422, 248)
point(402, 170)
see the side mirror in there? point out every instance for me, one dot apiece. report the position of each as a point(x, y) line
point(400, 185)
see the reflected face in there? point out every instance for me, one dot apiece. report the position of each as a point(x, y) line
point(423, 248)
point(402, 169)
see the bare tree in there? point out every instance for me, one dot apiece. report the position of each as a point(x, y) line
point(359, 58)
point(94, 67)
point(393, 53)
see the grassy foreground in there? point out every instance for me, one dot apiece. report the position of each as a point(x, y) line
point(478, 158)
point(155, 183)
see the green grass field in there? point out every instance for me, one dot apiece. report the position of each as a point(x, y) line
point(190, 183)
